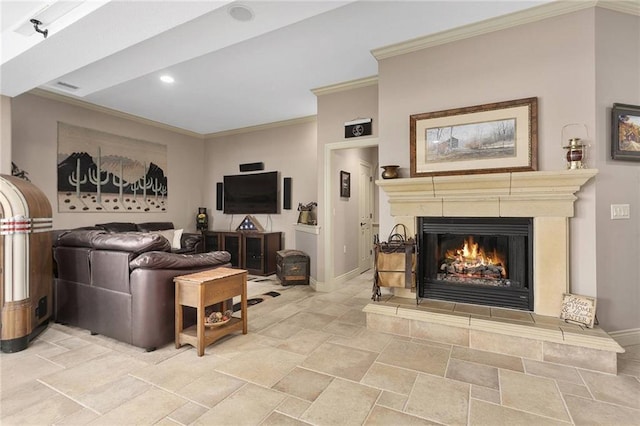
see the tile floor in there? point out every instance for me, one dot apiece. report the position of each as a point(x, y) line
point(308, 359)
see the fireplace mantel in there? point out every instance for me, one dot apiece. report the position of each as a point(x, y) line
point(546, 196)
point(516, 194)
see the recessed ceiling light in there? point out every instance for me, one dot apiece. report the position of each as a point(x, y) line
point(240, 12)
point(167, 79)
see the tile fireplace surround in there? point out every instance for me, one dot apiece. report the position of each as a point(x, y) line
point(547, 197)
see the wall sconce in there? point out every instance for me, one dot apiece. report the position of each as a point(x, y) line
point(36, 25)
point(576, 148)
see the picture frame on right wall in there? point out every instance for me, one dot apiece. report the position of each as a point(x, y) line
point(625, 132)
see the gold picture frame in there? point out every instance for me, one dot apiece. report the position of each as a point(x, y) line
point(490, 138)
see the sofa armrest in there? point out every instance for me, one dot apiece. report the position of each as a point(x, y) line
point(191, 242)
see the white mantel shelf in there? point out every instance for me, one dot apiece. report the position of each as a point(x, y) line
point(514, 194)
point(309, 229)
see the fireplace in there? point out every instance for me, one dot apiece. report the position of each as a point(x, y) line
point(480, 260)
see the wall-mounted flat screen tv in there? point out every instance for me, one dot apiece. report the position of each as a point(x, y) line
point(251, 193)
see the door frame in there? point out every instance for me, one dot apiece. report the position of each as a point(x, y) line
point(369, 189)
point(329, 269)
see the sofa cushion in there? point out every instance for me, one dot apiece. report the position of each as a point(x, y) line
point(164, 260)
point(77, 238)
point(132, 242)
point(153, 226)
point(118, 226)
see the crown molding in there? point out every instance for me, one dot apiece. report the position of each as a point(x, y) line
point(347, 85)
point(538, 13)
point(631, 7)
point(97, 108)
point(260, 127)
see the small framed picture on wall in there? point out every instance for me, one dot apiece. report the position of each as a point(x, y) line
point(345, 184)
point(625, 132)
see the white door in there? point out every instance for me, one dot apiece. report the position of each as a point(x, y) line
point(365, 208)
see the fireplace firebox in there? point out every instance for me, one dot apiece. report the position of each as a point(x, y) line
point(486, 261)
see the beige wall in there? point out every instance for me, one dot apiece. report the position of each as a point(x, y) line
point(334, 109)
point(5, 135)
point(618, 241)
point(287, 149)
point(35, 120)
point(555, 61)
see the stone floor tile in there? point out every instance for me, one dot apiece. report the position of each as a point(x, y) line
point(390, 378)
point(279, 419)
point(19, 370)
point(304, 342)
point(368, 340)
point(248, 406)
point(533, 394)
point(23, 396)
point(303, 383)
point(45, 412)
point(588, 412)
point(475, 374)
point(392, 400)
point(343, 329)
point(354, 316)
point(78, 355)
point(81, 379)
point(293, 407)
point(178, 371)
point(187, 413)
point(384, 416)
point(342, 403)
point(484, 413)
point(438, 399)
point(552, 371)
point(629, 367)
point(567, 388)
point(78, 418)
point(485, 394)
point(631, 352)
point(281, 330)
point(264, 367)
point(341, 361)
point(488, 358)
point(146, 408)
point(110, 395)
point(210, 389)
point(311, 320)
point(622, 390)
point(424, 358)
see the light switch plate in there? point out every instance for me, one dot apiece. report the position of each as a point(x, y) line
point(619, 211)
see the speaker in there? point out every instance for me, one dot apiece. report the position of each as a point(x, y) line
point(286, 194)
point(219, 193)
point(251, 167)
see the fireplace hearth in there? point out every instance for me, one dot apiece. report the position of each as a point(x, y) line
point(486, 261)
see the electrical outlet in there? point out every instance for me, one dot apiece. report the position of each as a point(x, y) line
point(619, 211)
point(345, 249)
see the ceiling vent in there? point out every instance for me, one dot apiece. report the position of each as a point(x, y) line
point(65, 86)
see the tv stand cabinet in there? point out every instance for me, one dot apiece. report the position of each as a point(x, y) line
point(253, 251)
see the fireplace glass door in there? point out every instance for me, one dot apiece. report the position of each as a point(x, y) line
point(485, 261)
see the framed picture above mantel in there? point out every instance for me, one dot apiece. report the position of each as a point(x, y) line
point(490, 138)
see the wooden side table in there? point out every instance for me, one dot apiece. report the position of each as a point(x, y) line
point(207, 288)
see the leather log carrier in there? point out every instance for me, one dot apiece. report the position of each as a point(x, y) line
point(395, 262)
point(26, 272)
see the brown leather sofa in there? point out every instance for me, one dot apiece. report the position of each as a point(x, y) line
point(189, 242)
point(121, 284)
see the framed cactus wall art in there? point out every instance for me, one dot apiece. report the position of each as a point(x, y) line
point(103, 172)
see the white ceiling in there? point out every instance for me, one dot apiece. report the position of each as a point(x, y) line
point(229, 74)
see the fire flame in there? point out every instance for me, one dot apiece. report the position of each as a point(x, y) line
point(471, 255)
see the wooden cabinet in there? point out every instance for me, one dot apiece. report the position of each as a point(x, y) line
point(253, 251)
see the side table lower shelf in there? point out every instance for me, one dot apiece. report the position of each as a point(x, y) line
point(211, 334)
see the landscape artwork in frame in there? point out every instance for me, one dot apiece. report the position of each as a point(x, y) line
point(489, 138)
point(625, 132)
point(103, 172)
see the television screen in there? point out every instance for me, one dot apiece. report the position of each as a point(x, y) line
point(251, 193)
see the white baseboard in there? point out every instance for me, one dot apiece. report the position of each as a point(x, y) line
point(627, 337)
